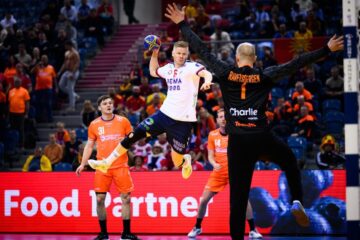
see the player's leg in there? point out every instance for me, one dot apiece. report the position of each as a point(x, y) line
point(102, 184)
point(242, 155)
point(178, 135)
point(149, 127)
point(124, 185)
point(205, 198)
point(253, 234)
point(125, 213)
point(280, 153)
point(101, 213)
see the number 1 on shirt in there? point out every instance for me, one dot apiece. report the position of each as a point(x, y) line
point(243, 91)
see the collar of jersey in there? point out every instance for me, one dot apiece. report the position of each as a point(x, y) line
point(109, 119)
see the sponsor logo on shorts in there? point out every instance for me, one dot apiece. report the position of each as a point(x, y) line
point(178, 145)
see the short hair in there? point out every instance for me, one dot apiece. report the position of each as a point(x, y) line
point(181, 44)
point(102, 98)
point(220, 110)
point(246, 50)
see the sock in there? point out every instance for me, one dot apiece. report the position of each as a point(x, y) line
point(198, 222)
point(251, 224)
point(126, 225)
point(103, 226)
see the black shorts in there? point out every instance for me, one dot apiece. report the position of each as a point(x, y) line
point(178, 132)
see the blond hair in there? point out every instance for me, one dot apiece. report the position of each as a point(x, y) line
point(181, 44)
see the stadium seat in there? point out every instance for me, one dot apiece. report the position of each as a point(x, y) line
point(334, 122)
point(298, 145)
point(289, 93)
point(331, 105)
point(62, 167)
point(276, 93)
point(81, 134)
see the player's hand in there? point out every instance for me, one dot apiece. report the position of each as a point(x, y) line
point(216, 166)
point(155, 51)
point(206, 86)
point(79, 169)
point(336, 43)
point(174, 14)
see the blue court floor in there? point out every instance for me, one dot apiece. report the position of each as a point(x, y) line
point(149, 237)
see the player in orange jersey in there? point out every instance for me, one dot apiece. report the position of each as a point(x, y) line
point(107, 131)
point(219, 177)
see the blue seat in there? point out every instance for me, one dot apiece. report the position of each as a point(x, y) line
point(298, 145)
point(62, 167)
point(276, 93)
point(81, 134)
point(289, 93)
point(331, 105)
point(334, 122)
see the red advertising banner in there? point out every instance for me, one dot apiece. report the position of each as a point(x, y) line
point(162, 202)
point(286, 48)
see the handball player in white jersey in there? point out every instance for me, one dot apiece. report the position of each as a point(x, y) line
point(177, 113)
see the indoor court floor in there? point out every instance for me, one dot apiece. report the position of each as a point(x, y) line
point(151, 237)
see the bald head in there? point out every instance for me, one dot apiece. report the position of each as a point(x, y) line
point(245, 52)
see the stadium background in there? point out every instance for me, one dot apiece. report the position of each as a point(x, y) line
point(102, 69)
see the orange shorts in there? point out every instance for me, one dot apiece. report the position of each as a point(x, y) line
point(121, 177)
point(217, 181)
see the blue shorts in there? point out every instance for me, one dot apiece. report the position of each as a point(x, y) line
point(177, 132)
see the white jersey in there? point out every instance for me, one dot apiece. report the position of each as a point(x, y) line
point(183, 86)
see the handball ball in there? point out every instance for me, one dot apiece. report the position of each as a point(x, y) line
point(151, 42)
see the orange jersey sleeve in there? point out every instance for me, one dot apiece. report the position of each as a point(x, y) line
point(107, 135)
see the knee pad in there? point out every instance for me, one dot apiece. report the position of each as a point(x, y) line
point(133, 137)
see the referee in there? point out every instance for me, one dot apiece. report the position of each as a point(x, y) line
point(245, 92)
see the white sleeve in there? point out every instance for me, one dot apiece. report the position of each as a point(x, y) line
point(162, 71)
point(197, 67)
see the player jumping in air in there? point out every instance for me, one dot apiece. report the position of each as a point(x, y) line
point(177, 113)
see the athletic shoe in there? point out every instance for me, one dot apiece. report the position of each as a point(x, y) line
point(129, 236)
point(99, 165)
point(299, 213)
point(186, 168)
point(194, 232)
point(255, 235)
point(102, 236)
